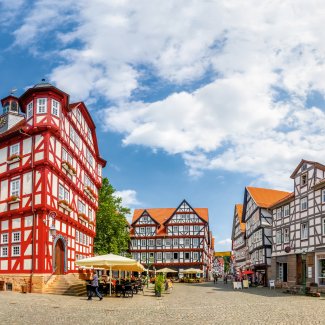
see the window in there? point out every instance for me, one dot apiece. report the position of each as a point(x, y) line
point(303, 179)
point(90, 214)
point(29, 110)
point(196, 228)
point(67, 157)
point(323, 196)
point(168, 242)
point(15, 187)
point(279, 237)
point(16, 237)
point(175, 256)
point(41, 105)
point(77, 236)
point(303, 203)
point(158, 242)
point(323, 226)
point(64, 193)
point(187, 256)
point(4, 238)
point(81, 207)
point(89, 157)
point(168, 255)
point(187, 242)
point(15, 250)
point(286, 210)
point(175, 229)
point(151, 242)
point(304, 230)
point(195, 242)
point(55, 108)
point(286, 236)
point(143, 256)
point(186, 228)
point(143, 242)
point(4, 251)
point(159, 255)
point(142, 230)
point(195, 256)
point(278, 213)
point(175, 241)
point(14, 149)
point(151, 256)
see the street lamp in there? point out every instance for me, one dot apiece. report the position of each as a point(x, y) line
point(49, 221)
point(303, 258)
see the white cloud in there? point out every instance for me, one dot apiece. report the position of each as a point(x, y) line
point(129, 197)
point(235, 121)
point(224, 241)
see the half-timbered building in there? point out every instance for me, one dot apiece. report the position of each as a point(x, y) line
point(173, 237)
point(299, 228)
point(238, 237)
point(50, 173)
point(258, 218)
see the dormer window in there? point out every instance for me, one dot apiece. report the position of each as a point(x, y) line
point(29, 110)
point(303, 179)
point(41, 106)
point(55, 108)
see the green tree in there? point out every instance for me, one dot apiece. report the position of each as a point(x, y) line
point(112, 235)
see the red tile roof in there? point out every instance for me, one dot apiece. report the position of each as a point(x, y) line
point(289, 197)
point(239, 209)
point(265, 197)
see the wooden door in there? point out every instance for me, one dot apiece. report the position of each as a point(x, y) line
point(59, 257)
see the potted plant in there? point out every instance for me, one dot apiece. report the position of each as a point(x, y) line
point(159, 284)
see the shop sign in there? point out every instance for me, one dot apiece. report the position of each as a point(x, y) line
point(321, 256)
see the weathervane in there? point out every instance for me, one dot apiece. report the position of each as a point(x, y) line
point(12, 91)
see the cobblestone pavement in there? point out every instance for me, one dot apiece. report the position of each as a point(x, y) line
point(188, 304)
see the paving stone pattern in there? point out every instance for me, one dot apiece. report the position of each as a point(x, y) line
point(202, 303)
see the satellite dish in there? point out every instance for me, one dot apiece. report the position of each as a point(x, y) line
point(287, 249)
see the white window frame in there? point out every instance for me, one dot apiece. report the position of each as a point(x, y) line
point(151, 242)
point(189, 255)
point(177, 255)
point(41, 106)
point(286, 235)
point(159, 256)
point(175, 229)
point(143, 242)
point(195, 255)
point(77, 236)
point(168, 255)
point(64, 194)
point(175, 241)
point(67, 157)
point(186, 228)
point(168, 242)
point(16, 237)
point(187, 242)
point(55, 108)
point(196, 228)
point(304, 230)
point(142, 230)
point(279, 237)
point(286, 210)
point(158, 242)
point(81, 207)
point(278, 213)
point(15, 187)
point(304, 178)
point(196, 242)
point(15, 149)
point(2, 249)
point(5, 235)
point(304, 203)
point(29, 110)
point(143, 257)
point(13, 253)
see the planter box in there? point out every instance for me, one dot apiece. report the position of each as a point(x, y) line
point(65, 207)
point(68, 169)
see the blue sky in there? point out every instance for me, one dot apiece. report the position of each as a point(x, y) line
point(192, 99)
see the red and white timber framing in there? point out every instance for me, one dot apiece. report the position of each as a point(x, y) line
point(177, 238)
point(49, 166)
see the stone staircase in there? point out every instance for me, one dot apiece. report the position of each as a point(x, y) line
point(68, 284)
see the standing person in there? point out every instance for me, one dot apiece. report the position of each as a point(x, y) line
point(225, 279)
point(94, 287)
point(215, 279)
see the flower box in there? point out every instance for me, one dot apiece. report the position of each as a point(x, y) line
point(90, 192)
point(13, 199)
point(13, 159)
point(65, 205)
point(69, 168)
point(83, 216)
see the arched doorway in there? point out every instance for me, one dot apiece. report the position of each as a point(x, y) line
point(59, 257)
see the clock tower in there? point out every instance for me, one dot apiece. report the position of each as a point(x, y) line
point(10, 104)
